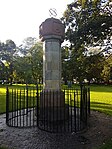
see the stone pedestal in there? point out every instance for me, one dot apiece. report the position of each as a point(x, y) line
point(52, 106)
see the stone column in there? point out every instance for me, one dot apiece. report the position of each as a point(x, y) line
point(52, 98)
point(51, 64)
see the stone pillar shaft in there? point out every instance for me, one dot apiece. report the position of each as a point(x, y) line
point(52, 64)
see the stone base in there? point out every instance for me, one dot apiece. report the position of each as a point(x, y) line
point(52, 106)
point(54, 114)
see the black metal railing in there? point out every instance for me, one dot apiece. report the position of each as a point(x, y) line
point(66, 110)
point(20, 107)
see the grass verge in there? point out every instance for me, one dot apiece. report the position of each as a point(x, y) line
point(107, 145)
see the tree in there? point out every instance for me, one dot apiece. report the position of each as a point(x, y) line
point(7, 51)
point(2, 77)
point(107, 69)
point(22, 67)
point(26, 45)
point(94, 66)
point(88, 24)
point(36, 58)
point(28, 68)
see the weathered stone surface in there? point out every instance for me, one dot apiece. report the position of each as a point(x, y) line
point(51, 26)
point(52, 64)
point(52, 84)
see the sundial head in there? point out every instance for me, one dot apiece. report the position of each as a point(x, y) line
point(52, 12)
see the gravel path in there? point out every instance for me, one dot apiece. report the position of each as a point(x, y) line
point(98, 132)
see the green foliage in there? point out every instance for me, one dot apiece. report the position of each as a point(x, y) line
point(36, 59)
point(93, 66)
point(7, 52)
point(28, 68)
point(88, 26)
point(88, 23)
point(26, 45)
point(107, 69)
point(21, 64)
point(23, 69)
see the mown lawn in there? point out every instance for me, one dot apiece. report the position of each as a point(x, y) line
point(100, 95)
point(3, 95)
point(101, 98)
point(2, 99)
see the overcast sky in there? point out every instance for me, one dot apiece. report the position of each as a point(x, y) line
point(21, 18)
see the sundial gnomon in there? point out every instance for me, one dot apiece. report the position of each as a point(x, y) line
point(53, 12)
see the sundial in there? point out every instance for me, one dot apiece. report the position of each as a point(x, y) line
point(52, 12)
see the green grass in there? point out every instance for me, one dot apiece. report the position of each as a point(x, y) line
point(101, 98)
point(2, 147)
point(2, 99)
point(107, 145)
point(3, 95)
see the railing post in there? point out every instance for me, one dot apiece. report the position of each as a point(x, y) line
point(26, 99)
point(37, 107)
point(88, 99)
point(7, 105)
point(81, 102)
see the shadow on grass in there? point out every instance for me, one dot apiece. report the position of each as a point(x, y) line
point(102, 107)
point(101, 88)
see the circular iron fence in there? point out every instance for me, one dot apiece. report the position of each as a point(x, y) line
point(53, 111)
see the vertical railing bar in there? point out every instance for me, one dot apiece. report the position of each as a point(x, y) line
point(30, 108)
point(53, 113)
point(37, 109)
point(81, 104)
point(89, 101)
point(20, 108)
point(68, 108)
point(33, 105)
point(23, 109)
point(86, 104)
point(61, 108)
point(47, 110)
point(17, 108)
point(12, 107)
point(71, 110)
point(57, 110)
point(26, 105)
point(78, 109)
point(7, 106)
point(74, 111)
point(64, 110)
point(50, 103)
point(43, 107)
point(84, 108)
